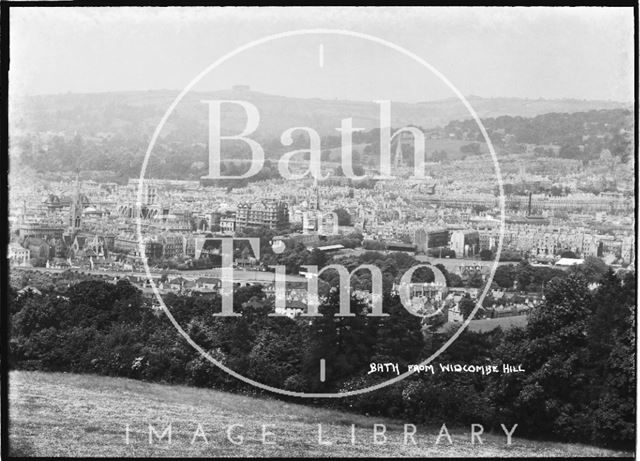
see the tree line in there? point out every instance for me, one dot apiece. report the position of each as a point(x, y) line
point(579, 135)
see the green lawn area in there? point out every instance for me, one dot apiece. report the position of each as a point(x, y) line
point(60, 414)
point(484, 325)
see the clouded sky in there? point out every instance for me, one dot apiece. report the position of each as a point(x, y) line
point(583, 53)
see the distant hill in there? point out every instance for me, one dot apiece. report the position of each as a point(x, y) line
point(111, 132)
point(138, 112)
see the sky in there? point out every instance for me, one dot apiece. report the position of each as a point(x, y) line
point(581, 53)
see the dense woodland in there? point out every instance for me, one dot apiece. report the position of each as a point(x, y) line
point(580, 136)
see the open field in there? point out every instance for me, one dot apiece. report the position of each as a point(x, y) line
point(59, 414)
point(483, 325)
point(451, 264)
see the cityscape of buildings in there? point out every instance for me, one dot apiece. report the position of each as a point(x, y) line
point(92, 226)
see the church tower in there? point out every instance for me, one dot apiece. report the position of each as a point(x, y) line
point(75, 211)
point(316, 207)
point(402, 139)
point(317, 194)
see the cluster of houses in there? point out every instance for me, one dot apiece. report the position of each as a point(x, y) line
point(58, 250)
point(504, 304)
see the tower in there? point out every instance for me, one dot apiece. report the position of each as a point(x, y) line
point(398, 158)
point(316, 214)
point(75, 211)
point(315, 186)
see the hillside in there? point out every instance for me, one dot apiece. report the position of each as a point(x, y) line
point(56, 414)
point(110, 132)
point(138, 112)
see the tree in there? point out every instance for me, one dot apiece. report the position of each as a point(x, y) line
point(422, 275)
point(292, 258)
point(510, 256)
point(504, 276)
point(275, 355)
point(524, 275)
point(455, 280)
point(567, 348)
point(398, 337)
point(373, 245)
point(612, 352)
point(445, 272)
point(466, 306)
point(556, 191)
point(476, 280)
point(486, 255)
point(318, 258)
point(346, 340)
point(593, 269)
point(478, 209)
point(344, 218)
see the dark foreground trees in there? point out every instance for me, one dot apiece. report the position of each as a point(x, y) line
point(577, 352)
point(579, 355)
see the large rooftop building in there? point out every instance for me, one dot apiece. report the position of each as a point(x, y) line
point(269, 213)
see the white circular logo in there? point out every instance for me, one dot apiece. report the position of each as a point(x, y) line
point(278, 246)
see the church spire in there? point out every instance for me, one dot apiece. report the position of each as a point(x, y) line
point(399, 160)
point(77, 189)
point(75, 212)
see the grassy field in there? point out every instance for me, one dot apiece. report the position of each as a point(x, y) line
point(483, 325)
point(59, 414)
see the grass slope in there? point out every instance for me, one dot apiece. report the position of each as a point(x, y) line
point(60, 414)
